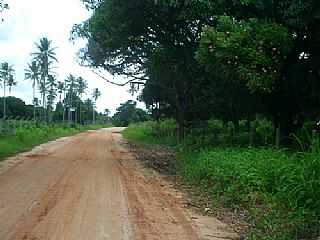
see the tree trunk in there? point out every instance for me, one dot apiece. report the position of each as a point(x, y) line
point(70, 113)
point(4, 100)
point(180, 121)
point(34, 105)
point(94, 116)
point(44, 107)
point(236, 125)
point(80, 113)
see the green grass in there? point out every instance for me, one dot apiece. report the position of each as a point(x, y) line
point(280, 190)
point(26, 138)
point(152, 133)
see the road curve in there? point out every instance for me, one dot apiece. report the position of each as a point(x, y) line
point(88, 187)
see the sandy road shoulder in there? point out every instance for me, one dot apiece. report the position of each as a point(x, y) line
point(157, 210)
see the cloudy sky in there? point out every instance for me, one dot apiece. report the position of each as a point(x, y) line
point(29, 20)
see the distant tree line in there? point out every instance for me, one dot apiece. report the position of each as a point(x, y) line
point(59, 101)
point(128, 113)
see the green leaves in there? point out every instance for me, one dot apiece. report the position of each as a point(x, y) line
point(252, 51)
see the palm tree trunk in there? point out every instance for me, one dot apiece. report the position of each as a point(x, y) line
point(44, 106)
point(4, 100)
point(34, 104)
point(80, 110)
point(94, 116)
point(64, 106)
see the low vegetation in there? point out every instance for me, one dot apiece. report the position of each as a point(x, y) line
point(278, 188)
point(28, 135)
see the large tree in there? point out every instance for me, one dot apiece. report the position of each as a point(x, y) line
point(271, 48)
point(126, 37)
point(256, 56)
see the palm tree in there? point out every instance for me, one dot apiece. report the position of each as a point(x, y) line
point(71, 85)
point(60, 88)
point(107, 112)
point(96, 94)
point(33, 73)
point(52, 94)
point(6, 76)
point(45, 56)
point(61, 91)
point(11, 82)
point(82, 85)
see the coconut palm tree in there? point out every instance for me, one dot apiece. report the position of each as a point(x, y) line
point(33, 73)
point(71, 85)
point(60, 87)
point(82, 85)
point(6, 76)
point(95, 95)
point(52, 94)
point(46, 57)
point(11, 83)
point(61, 91)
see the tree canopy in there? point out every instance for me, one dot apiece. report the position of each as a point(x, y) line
point(211, 59)
point(128, 113)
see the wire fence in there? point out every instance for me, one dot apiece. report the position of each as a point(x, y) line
point(10, 125)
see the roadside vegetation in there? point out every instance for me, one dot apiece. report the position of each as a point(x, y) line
point(253, 66)
point(19, 136)
point(58, 105)
point(240, 79)
point(277, 188)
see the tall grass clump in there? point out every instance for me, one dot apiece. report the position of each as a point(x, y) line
point(281, 191)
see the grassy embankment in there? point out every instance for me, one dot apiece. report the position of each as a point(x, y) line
point(280, 190)
point(24, 138)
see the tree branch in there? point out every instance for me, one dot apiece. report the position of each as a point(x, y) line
point(118, 84)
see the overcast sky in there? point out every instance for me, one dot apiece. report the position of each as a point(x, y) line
point(29, 20)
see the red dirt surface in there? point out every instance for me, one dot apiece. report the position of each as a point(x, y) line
point(90, 187)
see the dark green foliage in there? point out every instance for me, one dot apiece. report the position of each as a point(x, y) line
point(16, 108)
point(252, 52)
point(128, 113)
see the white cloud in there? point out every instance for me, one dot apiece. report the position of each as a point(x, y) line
point(27, 21)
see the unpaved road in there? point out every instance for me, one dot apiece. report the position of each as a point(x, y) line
point(88, 187)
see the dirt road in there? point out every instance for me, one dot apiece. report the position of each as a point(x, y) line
point(88, 187)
